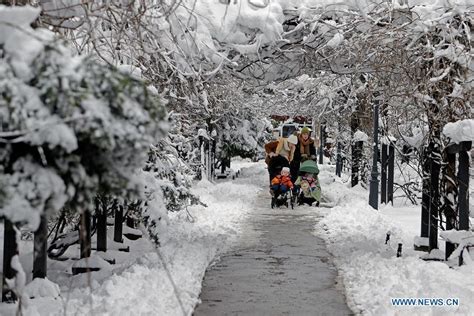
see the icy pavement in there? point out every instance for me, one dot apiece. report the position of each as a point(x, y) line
point(280, 268)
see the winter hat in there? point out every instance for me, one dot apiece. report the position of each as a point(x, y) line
point(293, 139)
point(305, 130)
point(285, 169)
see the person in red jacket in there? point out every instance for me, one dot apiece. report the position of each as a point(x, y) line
point(282, 182)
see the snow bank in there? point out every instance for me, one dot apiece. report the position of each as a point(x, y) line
point(142, 286)
point(94, 261)
point(41, 288)
point(371, 272)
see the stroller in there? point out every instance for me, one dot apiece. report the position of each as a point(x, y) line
point(280, 198)
point(275, 165)
point(283, 199)
point(307, 187)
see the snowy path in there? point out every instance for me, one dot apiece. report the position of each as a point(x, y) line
point(280, 268)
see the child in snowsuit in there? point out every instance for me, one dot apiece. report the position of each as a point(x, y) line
point(281, 183)
point(310, 189)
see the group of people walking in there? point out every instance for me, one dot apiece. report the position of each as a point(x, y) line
point(292, 166)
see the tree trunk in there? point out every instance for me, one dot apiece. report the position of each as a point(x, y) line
point(356, 162)
point(203, 161)
point(118, 223)
point(85, 234)
point(383, 186)
point(425, 199)
point(434, 195)
point(10, 249)
point(450, 195)
point(391, 172)
point(463, 201)
point(339, 159)
point(101, 211)
point(40, 249)
point(321, 143)
point(213, 164)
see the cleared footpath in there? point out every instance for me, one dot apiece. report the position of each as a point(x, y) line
point(279, 268)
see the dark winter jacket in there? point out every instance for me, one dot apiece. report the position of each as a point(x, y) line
point(297, 158)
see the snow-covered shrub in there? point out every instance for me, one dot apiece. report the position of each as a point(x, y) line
point(174, 176)
point(242, 137)
point(71, 126)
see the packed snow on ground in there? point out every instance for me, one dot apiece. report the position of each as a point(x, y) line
point(372, 274)
point(139, 284)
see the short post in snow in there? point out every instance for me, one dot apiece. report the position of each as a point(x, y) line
point(399, 250)
point(387, 237)
point(374, 183)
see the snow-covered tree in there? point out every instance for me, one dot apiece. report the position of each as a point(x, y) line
point(71, 127)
